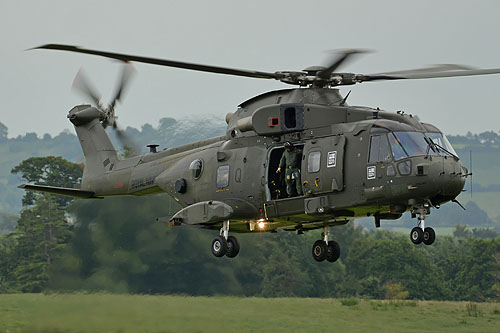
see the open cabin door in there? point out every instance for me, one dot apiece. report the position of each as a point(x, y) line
point(323, 165)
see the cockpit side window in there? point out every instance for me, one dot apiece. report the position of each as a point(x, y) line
point(379, 149)
point(408, 144)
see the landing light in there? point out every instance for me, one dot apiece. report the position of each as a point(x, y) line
point(261, 224)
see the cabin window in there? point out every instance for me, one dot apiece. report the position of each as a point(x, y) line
point(196, 168)
point(223, 176)
point(290, 120)
point(313, 161)
point(379, 149)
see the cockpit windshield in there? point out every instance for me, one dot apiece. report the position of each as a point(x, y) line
point(405, 142)
point(442, 141)
point(408, 144)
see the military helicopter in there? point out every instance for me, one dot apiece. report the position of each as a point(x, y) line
point(351, 161)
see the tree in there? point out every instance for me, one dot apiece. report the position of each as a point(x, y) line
point(282, 277)
point(461, 231)
point(395, 290)
point(397, 261)
point(50, 170)
point(42, 230)
point(42, 233)
point(484, 233)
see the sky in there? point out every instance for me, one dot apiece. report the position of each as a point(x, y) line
point(35, 86)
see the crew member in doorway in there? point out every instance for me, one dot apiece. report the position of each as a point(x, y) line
point(291, 160)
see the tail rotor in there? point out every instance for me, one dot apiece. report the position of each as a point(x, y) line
point(108, 116)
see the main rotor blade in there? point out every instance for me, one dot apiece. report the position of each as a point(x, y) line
point(341, 59)
point(82, 84)
point(127, 72)
point(429, 69)
point(163, 62)
point(427, 75)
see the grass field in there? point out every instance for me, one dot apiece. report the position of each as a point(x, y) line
point(125, 313)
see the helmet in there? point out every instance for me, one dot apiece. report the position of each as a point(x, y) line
point(288, 145)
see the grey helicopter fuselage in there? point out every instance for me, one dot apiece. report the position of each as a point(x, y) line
point(356, 162)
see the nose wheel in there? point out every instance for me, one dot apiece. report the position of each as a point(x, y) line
point(323, 249)
point(225, 245)
point(422, 234)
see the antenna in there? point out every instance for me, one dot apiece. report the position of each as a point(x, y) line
point(345, 98)
point(470, 172)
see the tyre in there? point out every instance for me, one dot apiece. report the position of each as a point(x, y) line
point(416, 235)
point(333, 252)
point(219, 246)
point(233, 247)
point(429, 236)
point(319, 250)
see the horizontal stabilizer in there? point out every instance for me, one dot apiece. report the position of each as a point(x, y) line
point(71, 192)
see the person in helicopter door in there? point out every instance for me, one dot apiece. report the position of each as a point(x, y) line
point(290, 161)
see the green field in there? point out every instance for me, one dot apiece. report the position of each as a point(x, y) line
point(125, 313)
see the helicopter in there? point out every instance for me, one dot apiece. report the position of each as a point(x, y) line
point(350, 161)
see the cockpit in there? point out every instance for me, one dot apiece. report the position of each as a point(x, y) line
point(395, 141)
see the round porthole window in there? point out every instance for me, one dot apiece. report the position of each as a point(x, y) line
point(196, 168)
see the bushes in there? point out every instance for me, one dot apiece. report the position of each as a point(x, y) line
point(118, 247)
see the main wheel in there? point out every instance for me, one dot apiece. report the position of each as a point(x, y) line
point(429, 236)
point(219, 246)
point(319, 250)
point(333, 252)
point(416, 235)
point(233, 247)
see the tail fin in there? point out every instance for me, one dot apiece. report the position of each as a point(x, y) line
point(100, 154)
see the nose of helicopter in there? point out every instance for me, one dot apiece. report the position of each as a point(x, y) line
point(451, 179)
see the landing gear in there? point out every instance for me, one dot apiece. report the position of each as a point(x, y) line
point(416, 235)
point(333, 251)
point(429, 236)
point(323, 249)
point(219, 246)
point(319, 250)
point(225, 244)
point(233, 247)
point(420, 233)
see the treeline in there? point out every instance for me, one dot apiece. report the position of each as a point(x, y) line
point(115, 245)
point(484, 139)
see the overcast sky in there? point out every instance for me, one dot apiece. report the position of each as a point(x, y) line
point(35, 86)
